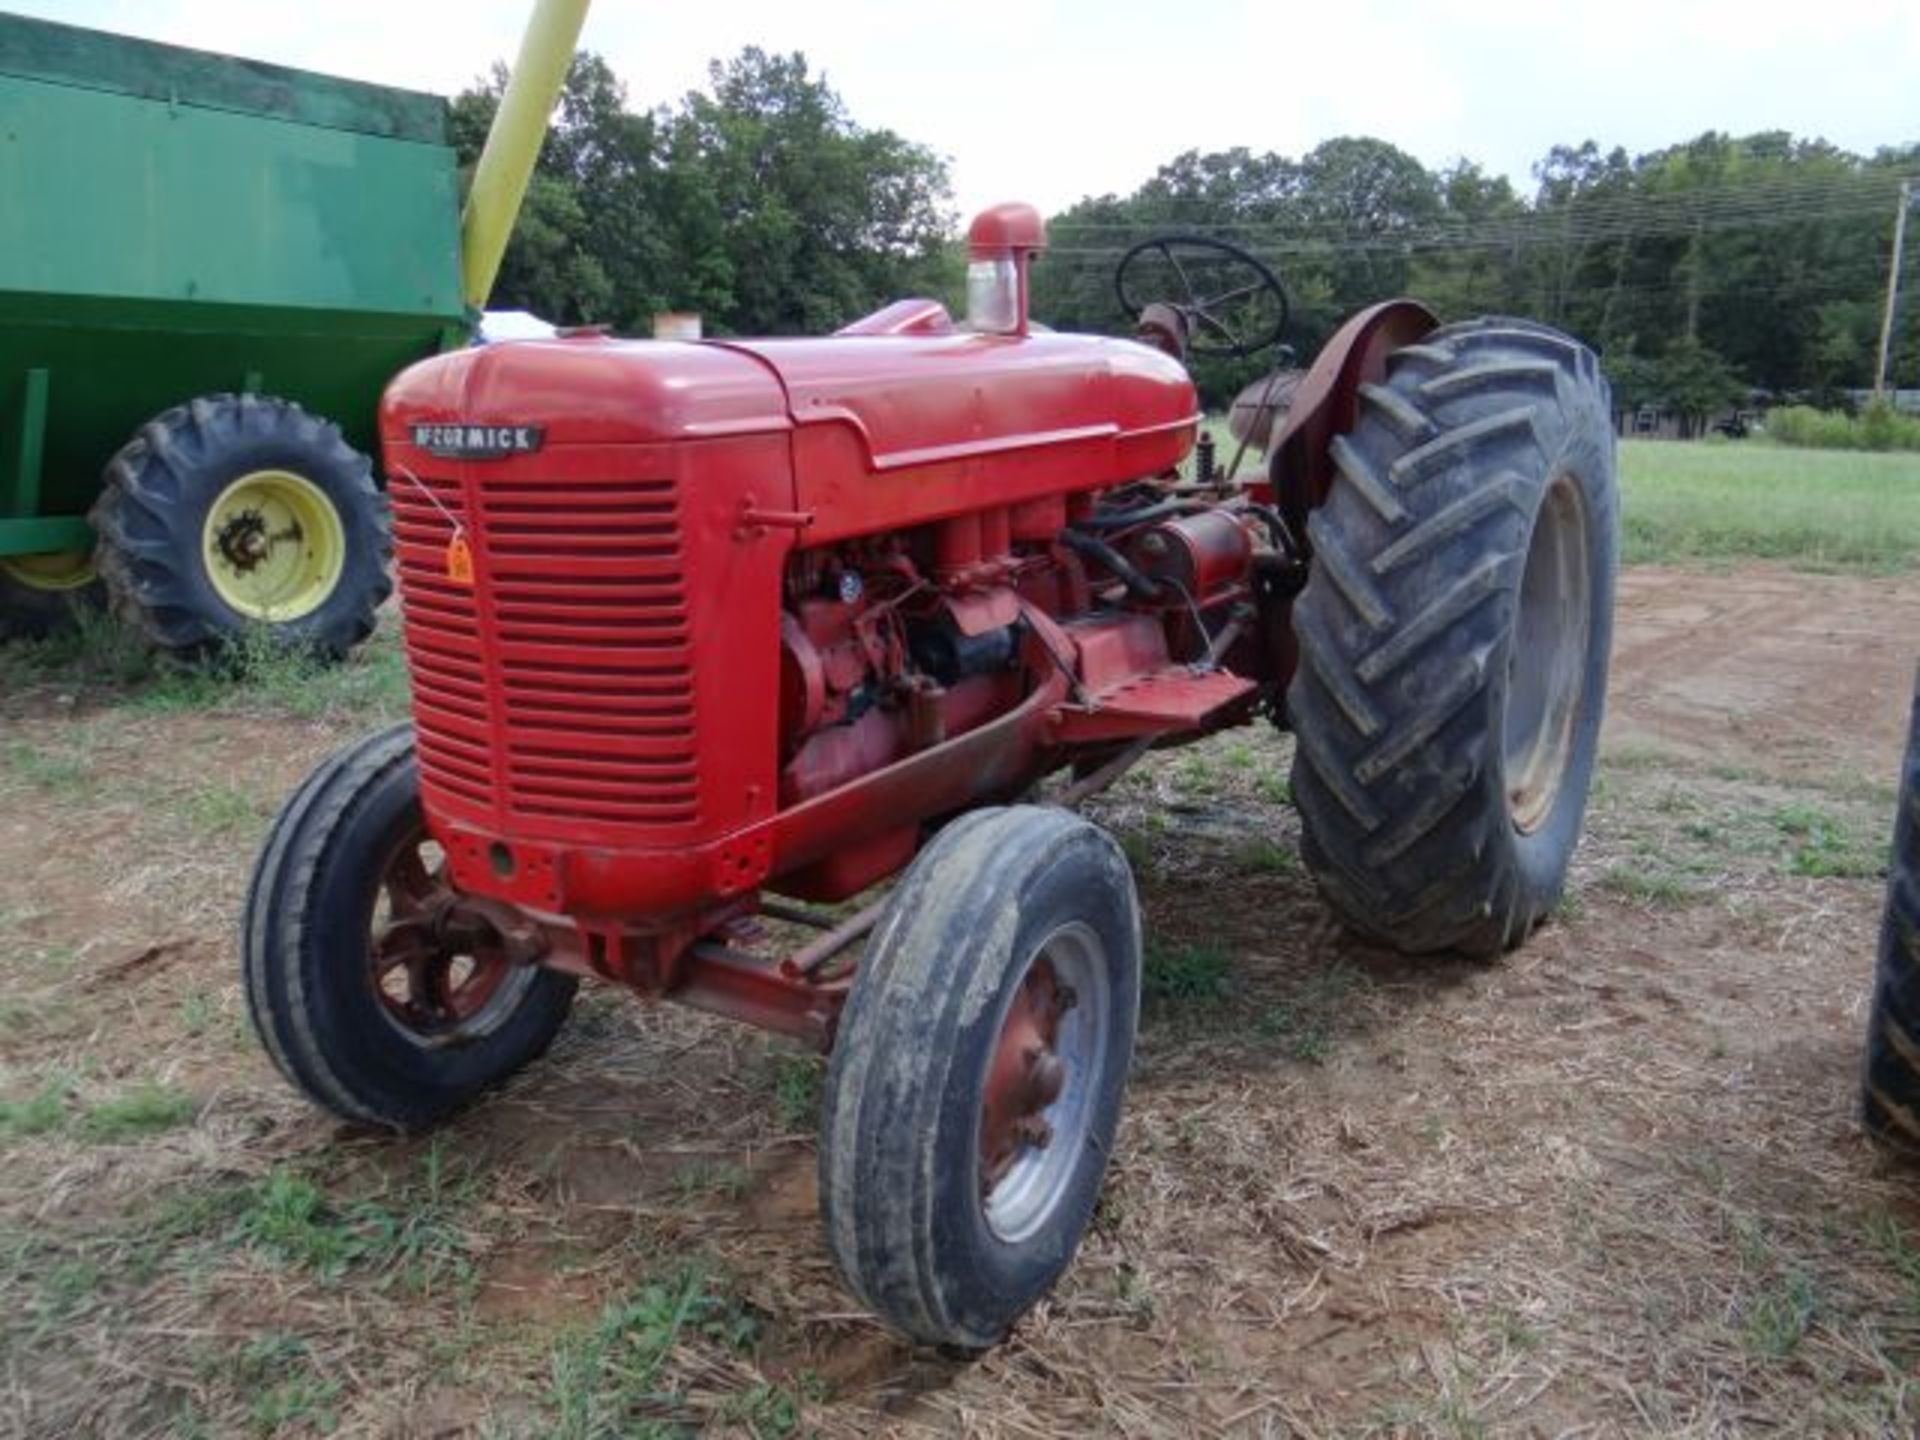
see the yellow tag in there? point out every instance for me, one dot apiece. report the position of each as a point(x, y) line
point(460, 561)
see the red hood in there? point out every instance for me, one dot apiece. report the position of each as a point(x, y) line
point(911, 399)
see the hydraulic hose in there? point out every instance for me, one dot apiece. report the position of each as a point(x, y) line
point(1092, 547)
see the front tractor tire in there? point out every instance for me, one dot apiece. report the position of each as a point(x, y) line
point(238, 515)
point(976, 1079)
point(373, 992)
point(1454, 636)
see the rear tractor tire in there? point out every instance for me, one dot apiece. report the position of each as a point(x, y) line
point(976, 1080)
point(1454, 636)
point(42, 595)
point(1890, 1086)
point(372, 998)
point(238, 515)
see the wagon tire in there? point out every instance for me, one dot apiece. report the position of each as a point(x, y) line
point(1890, 1084)
point(309, 958)
point(976, 1081)
point(242, 515)
point(45, 595)
point(1454, 635)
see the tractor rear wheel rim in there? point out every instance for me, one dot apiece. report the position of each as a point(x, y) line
point(274, 546)
point(440, 972)
point(54, 571)
point(1547, 659)
point(1041, 1092)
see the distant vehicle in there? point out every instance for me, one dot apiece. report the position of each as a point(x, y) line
point(209, 269)
point(498, 325)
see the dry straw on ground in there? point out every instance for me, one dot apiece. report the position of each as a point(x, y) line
point(1608, 1186)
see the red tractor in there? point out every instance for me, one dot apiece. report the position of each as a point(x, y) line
point(707, 637)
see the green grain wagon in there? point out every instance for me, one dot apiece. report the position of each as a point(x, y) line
point(209, 269)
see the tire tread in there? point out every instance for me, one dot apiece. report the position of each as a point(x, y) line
point(1890, 1082)
point(277, 945)
point(1393, 748)
point(147, 548)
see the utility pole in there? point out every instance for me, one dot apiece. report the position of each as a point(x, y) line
point(1893, 288)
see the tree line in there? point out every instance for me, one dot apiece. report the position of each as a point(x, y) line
point(1700, 271)
point(757, 202)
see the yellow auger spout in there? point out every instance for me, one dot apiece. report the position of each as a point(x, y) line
point(513, 144)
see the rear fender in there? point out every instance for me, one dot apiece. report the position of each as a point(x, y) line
point(1327, 403)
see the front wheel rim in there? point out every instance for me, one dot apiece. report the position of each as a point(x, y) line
point(441, 974)
point(1547, 656)
point(274, 546)
point(1042, 1093)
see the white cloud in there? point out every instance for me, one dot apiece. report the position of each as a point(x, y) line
point(1060, 98)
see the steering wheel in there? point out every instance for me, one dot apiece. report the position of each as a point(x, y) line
point(1211, 314)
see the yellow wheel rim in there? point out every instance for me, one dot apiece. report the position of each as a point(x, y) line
point(56, 571)
point(274, 546)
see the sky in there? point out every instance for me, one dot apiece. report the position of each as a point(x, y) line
point(1052, 100)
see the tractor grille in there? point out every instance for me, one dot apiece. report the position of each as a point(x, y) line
point(444, 658)
point(584, 654)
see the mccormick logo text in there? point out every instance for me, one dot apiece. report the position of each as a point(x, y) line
point(478, 442)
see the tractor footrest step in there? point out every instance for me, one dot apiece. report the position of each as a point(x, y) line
point(1159, 703)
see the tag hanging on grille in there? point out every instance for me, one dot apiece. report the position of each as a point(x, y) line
point(459, 560)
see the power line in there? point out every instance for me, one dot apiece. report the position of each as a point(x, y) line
point(1507, 237)
point(1637, 200)
point(1575, 224)
point(1856, 281)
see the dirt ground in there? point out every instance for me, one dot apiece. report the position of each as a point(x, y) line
point(1611, 1185)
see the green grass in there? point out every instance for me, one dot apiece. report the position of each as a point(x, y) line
point(1826, 848)
point(276, 1370)
point(798, 1082)
point(101, 655)
point(218, 808)
point(1726, 501)
point(1778, 1316)
point(1304, 1026)
point(1196, 775)
point(1648, 884)
point(37, 1114)
point(710, 1178)
point(1184, 972)
point(1901, 1252)
point(1830, 510)
point(768, 1411)
point(59, 774)
point(133, 1114)
point(197, 1012)
point(1263, 857)
point(1878, 427)
point(1275, 789)
point(612, 1378)
point(413, 1234)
